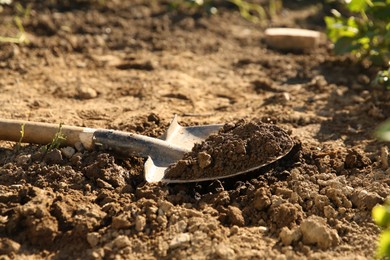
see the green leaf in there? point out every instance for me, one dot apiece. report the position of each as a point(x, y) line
point(383, 131)
point(357, 5)
point(384, 244)
point(344, 45)
point(381, 216)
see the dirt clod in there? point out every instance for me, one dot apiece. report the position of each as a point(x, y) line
point(315, 231)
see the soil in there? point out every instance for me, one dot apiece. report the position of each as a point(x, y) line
point(132, 65)
point(237, 148)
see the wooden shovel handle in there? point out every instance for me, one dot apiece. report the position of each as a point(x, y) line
point(43, 133)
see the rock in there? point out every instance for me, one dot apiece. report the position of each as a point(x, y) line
point(119, 222)
point(363, 199)
point(180, 240)
point(8, 246)
point(86, 92)
point(204, 159)
point(290, 236)
point(292, 39)
point(356, 158)
point(261, 199)
point(121, 241)
point(68, 151)
point(93, 238)
point(23, 159)
point(164, 205)
point(140, 223)
point(284, 214)
point(223, 251)
point(53, 157)
point(79, 146)
point(316, 232)
point(103, 184)
point(235, 217)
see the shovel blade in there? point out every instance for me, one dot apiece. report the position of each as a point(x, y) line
point(177, 135)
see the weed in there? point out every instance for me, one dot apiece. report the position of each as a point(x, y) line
point(364, 32)
point(252, 12)
point(58, 139)
point(22, 13)
point(19, 144)
point(381, 216)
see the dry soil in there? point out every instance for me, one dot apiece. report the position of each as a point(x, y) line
point(133, 65)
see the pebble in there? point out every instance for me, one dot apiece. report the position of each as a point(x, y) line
point(204, 159)
point(121, 241)
point(86, 92)
point(68, 151)
point(363, 199)
point(23, 159)
point(8, 246)
point(79, 146)
point(224, 251)
point(53, 157)
point(316, 232)
point(103, 184)
point(235, 216)
point(164, 205)
point(140, 223)
point(93, 238)
point(120, 223)
point(290, 236)
point(180, 240)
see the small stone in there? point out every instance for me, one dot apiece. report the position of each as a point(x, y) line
point(363, 199)
point(164, 205)
point(79, 146)
point(86, 92)
point(329, 212)
point(23, 159)
point(224, 251)
point(53, 157)
point(8, 246)
point(292, 38)
point(234, 230)
point(204, 159)
point(140, 223)
point(316, 232)
point(121, 241)
point(290, 236)
point(235, 216)
point(103, 184)
point(261, 199)
point(120, 223)
point(68, 151)
point(93, 238)
point(180, 240)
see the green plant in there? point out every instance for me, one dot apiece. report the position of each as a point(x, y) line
point(363, 31)
point(381, 216)
point(19, 144)
point(251, 11)
point(22, 13)
point(58, 139)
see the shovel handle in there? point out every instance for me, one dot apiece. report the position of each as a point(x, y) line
point(43, 133)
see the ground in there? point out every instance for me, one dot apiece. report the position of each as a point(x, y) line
point(132, 66)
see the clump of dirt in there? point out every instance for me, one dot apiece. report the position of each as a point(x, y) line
point(238, 147)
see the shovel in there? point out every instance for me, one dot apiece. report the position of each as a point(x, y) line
point(161, 152)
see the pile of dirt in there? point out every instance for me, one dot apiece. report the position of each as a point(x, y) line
point(237, 148)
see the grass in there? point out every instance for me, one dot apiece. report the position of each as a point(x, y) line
point(22, 14)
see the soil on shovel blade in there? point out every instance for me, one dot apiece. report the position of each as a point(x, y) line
point(237, 147)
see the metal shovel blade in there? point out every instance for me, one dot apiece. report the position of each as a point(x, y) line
point(176, 135)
